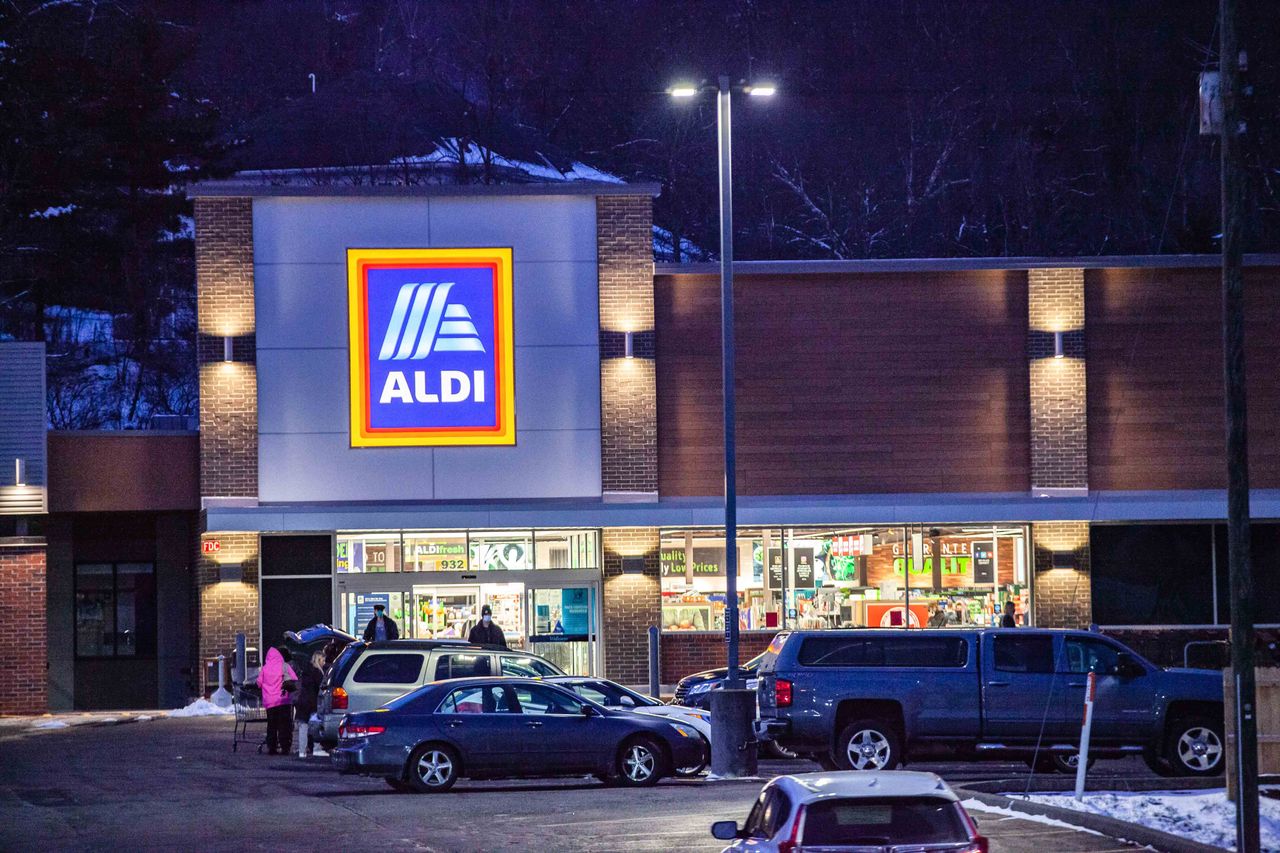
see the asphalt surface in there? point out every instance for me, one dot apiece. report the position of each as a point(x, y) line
point(170, 784)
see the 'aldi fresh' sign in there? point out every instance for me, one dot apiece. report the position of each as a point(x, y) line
point(430, 347)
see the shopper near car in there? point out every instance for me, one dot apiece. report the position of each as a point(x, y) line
point(1008, 620)
point(304, 704)
point(487, 632)
point(277, 679)
point(381, 627)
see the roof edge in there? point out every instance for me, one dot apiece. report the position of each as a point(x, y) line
point(872, 265)
point(241, 188)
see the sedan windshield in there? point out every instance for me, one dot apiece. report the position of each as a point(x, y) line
point(883, 821)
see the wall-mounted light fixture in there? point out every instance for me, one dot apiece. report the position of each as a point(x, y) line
point(230, 573)
point(1057, 344)
point(19, 471)
point(1064, 560)
point(629, 344)
point(633, 565)
point(226, 349)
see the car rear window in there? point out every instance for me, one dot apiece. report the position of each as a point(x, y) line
point(389, 669)
point(1032, 653)
point(919, 651)
point(881, 821)
point(463, 666)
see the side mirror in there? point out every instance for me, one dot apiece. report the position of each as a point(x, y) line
point(725, 830)
point(588, 711)
point(1128, 667)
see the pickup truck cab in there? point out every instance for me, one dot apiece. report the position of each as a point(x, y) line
point(869, 699)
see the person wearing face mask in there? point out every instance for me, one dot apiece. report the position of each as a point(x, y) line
point(487, 631)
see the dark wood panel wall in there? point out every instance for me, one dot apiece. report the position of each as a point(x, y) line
point(848, 383)
point(1154, 350)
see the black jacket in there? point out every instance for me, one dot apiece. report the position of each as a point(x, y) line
point(393, 633)
point(488, 635)
point(1008, 621)
point(304, 703)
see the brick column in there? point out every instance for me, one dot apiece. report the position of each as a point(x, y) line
point(228, 391)
point(227, 607)
point(24, 640)
point(628, 386)
point(1059, 430)
point(631, 602)
point(1063, 597)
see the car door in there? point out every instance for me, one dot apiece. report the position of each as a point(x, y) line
point(559, 738)
point(379, 677)
point(483, 722)
point(1123, 704)
point(1023, 694)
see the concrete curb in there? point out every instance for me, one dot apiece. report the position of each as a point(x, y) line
point(1108, 826)
point(1060, 783)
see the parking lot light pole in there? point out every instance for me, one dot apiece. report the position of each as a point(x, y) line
point(733, 709)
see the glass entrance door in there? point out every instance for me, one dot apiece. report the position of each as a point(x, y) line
point(563, 626)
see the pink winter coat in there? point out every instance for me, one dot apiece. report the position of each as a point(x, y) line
point(271, 679)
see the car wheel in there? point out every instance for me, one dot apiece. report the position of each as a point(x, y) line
point(686, 772)
point(867, 745)
point(1068, 762)
point(639, 764)
point(1194, 747)
point(433, 768)
point(773, 749)
point(398, 785)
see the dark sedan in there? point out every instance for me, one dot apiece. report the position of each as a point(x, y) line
point(486, 728)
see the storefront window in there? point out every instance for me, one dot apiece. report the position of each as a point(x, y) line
point(916, 575)
point(567, 549)
point(369, 553)
point(115, 610)
point(435, 551)
point(501, 550)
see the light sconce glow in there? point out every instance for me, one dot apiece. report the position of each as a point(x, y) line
point(630, 344)
point(764, 91)
point(683, 91)
point(226, 349)
point(19, 471)
point(1057, 344)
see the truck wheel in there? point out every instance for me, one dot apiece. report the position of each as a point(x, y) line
point(1068, 762)
point(1194, 747)
point(867, 745)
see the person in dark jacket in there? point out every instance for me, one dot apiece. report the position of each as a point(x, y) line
point(1008, 620)
point(304, 703)
point(487, 631)
point(381, 627)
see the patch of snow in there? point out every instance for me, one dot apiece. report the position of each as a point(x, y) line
point(52, 212)
point(105, 721)
point(173, 167)
point(144, 718)
point(1205, 816)
point(201, 708)
point(186, 230)
point(979, 806)
point(50, 724)
point(583, 172)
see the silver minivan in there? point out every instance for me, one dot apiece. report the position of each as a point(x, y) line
point(368, 675)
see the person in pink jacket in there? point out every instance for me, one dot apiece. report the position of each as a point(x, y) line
point(272, 679)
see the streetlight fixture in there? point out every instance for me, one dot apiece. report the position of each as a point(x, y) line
point(733, 709)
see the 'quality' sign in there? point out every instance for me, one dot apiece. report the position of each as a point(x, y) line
point(430, 347)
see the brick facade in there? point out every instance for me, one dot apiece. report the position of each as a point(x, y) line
point(226, 608)
point(628, 386)
point(24, 642)
point(631, 602)
point(225, 307)
point(1063, 598)
point(683, 654)
point(1059, 426)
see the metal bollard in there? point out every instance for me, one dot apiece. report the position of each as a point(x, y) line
point(221, 697)
point(655, 687)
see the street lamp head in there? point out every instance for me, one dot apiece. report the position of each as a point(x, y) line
point(764, 90)
point(683, 90)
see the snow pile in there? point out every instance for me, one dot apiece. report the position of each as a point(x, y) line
point(201, 708)
point(979, 806)
point(1204, 816)
point(50, 724)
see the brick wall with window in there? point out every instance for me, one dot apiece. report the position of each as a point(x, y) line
point(24, 649)
point(632, 602)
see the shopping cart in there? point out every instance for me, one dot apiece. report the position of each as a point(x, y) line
point(249, 712)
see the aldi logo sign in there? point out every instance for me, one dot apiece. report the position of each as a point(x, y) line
point(430, 347)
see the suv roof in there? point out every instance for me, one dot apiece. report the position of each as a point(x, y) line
point(425, 645)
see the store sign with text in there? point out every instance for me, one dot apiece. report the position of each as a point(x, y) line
point(707, 562)
point(430, 347)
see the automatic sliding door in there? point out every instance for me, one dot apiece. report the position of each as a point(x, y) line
point(563, 626)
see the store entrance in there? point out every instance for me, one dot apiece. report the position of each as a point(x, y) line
point(564, 630)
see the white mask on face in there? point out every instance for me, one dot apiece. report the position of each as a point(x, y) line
point(486, 619)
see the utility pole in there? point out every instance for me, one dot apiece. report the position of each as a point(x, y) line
point(1239, 563)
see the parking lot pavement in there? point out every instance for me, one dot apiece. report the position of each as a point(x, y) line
point(169, 784)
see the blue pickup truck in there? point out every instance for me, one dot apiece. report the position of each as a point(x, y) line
point(869, 699)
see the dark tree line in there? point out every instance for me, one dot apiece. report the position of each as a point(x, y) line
point(901, 128)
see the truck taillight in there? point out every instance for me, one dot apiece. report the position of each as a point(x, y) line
point(782, 693)
point(345, 732)
point(339, 699)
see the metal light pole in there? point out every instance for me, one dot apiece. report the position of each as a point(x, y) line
point(733, 709)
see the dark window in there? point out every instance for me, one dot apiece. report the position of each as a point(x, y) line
point(1031, 653)
point(1152, 574)
point(296, 555)
point(609, 695)
point(776, 812)
point(389, 669)
point(115, 610)
point(754, 827)
point(494, 699)
point(885, 651)
point(463, 666)
point(526, 667)
point(881, 821)
point(536, 699)
point(288, 604)
point(1090, 656)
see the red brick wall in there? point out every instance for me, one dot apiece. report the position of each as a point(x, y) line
point(228, 392)
point(683, 654)
point(848, 384)
point(24, 642)
point(1155, 378)
point(628, 417)
point(632, 602)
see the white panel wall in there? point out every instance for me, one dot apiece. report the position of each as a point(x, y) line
point(304, 451)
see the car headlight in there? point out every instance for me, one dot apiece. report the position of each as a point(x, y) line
point(700, 688)
point(684, 731)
